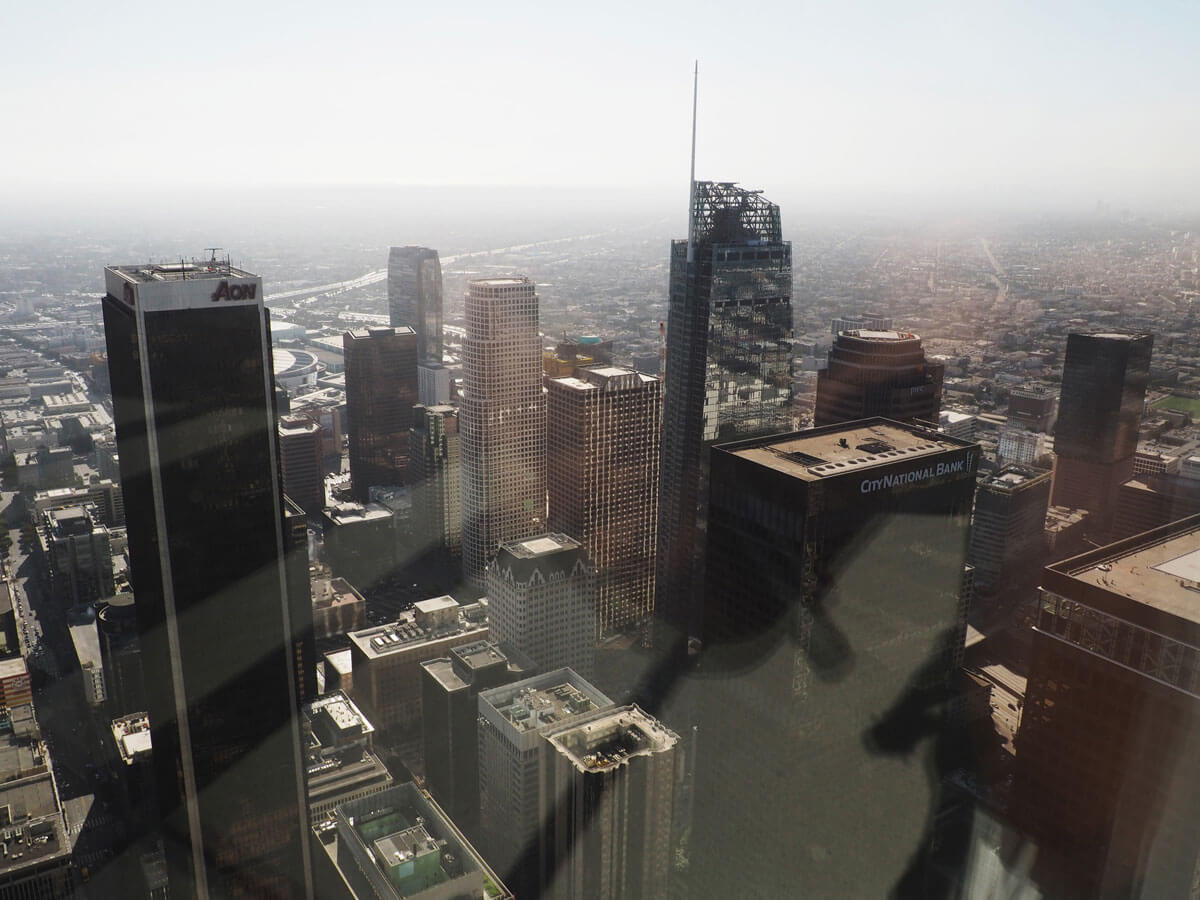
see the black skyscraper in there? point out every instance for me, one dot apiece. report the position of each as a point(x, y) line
point(190, 365)
point(833, 621)
point(1103, 389)
point(381, 390)
point(728, 370)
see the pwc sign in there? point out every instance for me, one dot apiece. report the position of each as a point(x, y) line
point(227, 291)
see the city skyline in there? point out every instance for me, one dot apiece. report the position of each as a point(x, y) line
point(833, 700)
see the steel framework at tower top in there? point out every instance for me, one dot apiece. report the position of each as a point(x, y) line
point(725, 213)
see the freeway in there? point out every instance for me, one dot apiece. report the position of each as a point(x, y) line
point(377, 275)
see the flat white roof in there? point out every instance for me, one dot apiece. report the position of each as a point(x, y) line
point(541, 545)
point(433, 604)
point(136, 742)
point(1186, 566)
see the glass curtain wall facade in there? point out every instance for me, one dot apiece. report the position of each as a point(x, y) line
point(190, 366)
point(727, 371)
point(381, 390)
point(415, 297)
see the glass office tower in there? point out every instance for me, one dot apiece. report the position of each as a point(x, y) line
point(1103, 390)
point(415, 297)
point(833, 624)
point(190, 366)
point(727, 372)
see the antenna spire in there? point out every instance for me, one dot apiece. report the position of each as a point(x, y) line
point(692, 182)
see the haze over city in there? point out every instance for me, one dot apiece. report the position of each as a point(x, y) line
point(869, 106)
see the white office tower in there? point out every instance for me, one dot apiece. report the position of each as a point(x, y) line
point(608, 804)
point(542, 601)
point(503, 419)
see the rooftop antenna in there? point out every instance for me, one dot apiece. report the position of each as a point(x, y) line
point(692, 183)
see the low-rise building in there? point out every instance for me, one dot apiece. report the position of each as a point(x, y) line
point(337, 607)
point(339, 755)
point(35, 850)
point(400, 844)
point(360, 542)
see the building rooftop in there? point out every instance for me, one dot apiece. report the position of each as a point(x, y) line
point(542, 545)
point(1013, 476)
point(543, 700)
point(835, 449)
point(348, 513)
point(341, 711)
point(1159, 570)
point(341, 661)
point(380, 837)
point(1060, 518)
point(151, 273)
point(14, 667)
point(408, 631)
point(34, 831)
point(478, 655)
point(953, 416)
point(610, 738)
point(599, 378)
point(132, 735)
point(435, 604)
point(867, 334)
point(86, 640)
point(360, 334)
point(501, 282)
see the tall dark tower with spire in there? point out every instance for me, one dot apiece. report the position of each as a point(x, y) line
point(727, 373)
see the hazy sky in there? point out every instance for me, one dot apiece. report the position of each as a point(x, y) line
point(1079, 100)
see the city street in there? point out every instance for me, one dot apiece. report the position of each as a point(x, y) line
point(87, 789)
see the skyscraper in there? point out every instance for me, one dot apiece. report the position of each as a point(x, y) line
point(878, 373)
point(1007, 540)
point(503, 419)
point(190, 366)
point(436, 476)
point(728, 370)
point(512, 755)
point(381, 389)
point(609, 807)
point(1106, 784)
point(1032, 407)
point(300, 462)
point(1103, 389)
point(602, 436)
point(450, 687)
point(542, 601)
point(415, 299)
point(833, 621)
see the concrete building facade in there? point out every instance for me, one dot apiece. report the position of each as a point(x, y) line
point(542, 601)
point(503, 421)
point(603, 432)
point(512, 755)
point(1106, 785)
